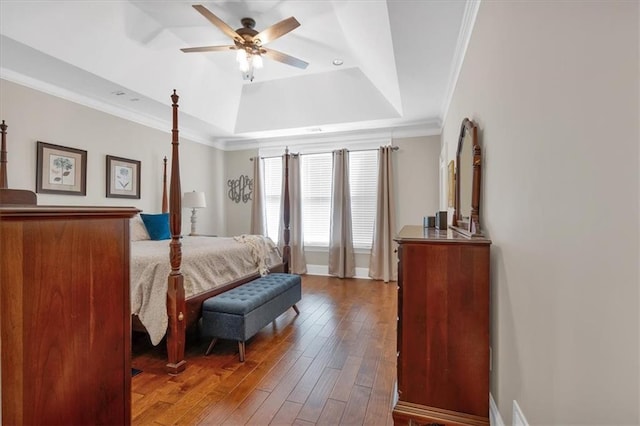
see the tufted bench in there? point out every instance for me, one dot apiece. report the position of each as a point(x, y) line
point(240, 313)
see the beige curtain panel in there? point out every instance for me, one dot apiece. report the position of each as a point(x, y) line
point(258, 208)
point(342, 262)
point(298, 263)
point(382, 263)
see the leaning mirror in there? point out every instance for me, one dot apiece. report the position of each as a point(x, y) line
point(466, 214)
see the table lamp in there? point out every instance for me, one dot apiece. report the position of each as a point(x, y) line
point(193, 200)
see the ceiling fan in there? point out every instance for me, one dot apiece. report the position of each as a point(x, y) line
point(250, 43)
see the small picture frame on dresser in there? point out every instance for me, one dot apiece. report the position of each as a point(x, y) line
point(441, 220)
point(429, 221)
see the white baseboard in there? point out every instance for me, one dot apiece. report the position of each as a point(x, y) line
point(518, 417)
point(324, 270)
point(495, 419)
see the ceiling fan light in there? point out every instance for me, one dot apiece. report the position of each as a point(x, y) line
point(243, 61)
point(257, 61)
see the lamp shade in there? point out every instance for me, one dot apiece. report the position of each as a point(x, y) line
point(194, 200)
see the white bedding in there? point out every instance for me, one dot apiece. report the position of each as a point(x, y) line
point(207, 263)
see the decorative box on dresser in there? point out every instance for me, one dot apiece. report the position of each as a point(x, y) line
point(443, 328)
point(65, 315)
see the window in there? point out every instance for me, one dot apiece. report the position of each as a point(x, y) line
point(316, 198)
point(363, 179)
point(316, 174)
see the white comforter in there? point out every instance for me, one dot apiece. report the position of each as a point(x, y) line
point(207, 262)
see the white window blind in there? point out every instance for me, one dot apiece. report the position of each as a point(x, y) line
point(363, 179)
point(316, 175)
point(316, 198)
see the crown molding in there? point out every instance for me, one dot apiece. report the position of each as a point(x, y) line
point(464, 36)
point(431, 127)
point(126, 114)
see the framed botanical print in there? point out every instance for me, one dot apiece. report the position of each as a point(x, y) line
point(123, 177)
point(61, 170)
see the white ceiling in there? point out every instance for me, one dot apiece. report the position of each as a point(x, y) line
point(401, 59)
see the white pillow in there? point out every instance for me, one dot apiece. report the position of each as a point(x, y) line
point(137, 229)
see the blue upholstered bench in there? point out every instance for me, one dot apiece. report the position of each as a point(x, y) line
point(240, 313)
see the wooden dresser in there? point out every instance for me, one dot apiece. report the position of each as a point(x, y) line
point(65, 315)
point(443, 328)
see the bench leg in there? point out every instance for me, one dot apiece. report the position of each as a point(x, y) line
point(213, 342)
point(241, 350)
point(295, 308)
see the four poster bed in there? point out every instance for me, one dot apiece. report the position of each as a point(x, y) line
point(182, 307)
point(184, 304)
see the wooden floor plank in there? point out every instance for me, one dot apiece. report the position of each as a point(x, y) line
point(271, 380)
point(310, 378)
point(278, 396)
point(245, 411)
point(332, 413)
point(370, 360)
point(286, 415)
point(344, 384)
point(315, 402)
point(298, 422)
point(356, 408)
point(152, 412)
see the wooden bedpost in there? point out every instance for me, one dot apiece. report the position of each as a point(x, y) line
point(286, 249)
point(176, 307)
point(11, 196)
point(3, 157)
point(165, 205)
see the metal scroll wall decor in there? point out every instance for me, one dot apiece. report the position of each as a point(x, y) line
point(240, 189)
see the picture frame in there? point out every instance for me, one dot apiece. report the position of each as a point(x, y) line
point(60, 170)
point(123, 177)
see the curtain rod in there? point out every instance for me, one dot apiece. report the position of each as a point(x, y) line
point(393, 148)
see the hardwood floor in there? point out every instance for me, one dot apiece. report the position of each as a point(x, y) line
point(335, 363)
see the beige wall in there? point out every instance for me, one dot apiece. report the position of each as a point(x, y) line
point(417, 164)
point(35, 116)
point(237, 163)
point(416, 171)
point(554, 88)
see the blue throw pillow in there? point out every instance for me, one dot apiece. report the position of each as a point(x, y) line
point(157, 225)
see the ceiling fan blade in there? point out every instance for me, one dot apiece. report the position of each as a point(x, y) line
point(218, 22)
point(277, 30)
point(208, 49)
point(284, 58)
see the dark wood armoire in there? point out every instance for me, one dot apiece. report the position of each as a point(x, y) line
point(443, 328)
point(65, 315)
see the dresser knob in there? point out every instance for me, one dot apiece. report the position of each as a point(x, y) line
point(180, 316)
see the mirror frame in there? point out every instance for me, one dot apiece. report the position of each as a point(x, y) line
point(470, 227)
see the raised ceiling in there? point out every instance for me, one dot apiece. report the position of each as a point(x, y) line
point(400, 63)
